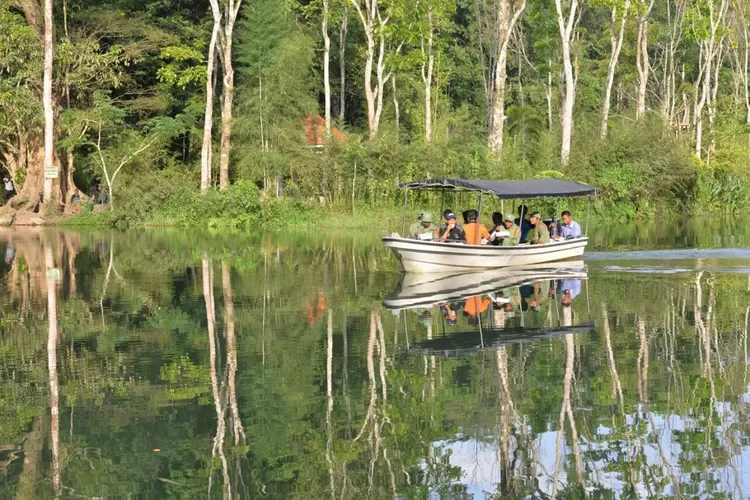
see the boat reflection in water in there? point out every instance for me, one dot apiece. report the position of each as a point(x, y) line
point(477, 310)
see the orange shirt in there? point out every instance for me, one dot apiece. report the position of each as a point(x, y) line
point(475, 305)
point(475, 232)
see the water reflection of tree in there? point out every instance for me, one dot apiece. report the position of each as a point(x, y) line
point(654, 392)
point(224, 394)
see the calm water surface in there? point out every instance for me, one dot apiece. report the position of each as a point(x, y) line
point(198, 365)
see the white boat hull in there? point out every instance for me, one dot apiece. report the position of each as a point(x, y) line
point(435, 257)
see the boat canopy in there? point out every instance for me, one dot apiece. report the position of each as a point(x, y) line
point(508, 190)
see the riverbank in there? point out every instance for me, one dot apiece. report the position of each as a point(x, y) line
point(286, 214)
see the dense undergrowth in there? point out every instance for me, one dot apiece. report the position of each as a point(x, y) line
point(641, 172)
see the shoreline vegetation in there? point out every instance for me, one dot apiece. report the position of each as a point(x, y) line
point(298, 113)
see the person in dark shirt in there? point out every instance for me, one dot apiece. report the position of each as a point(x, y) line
point(523, 223)
point(452, 232)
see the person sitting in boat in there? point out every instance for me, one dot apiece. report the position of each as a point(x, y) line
point(453, 233)
point(444, 225)
point(497, 228)
point(510, 236)
point(540, 234)
point(570, 229)
point(476, 233)
point(523, 222)
point(423, 228)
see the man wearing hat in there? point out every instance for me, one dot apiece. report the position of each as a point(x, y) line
point(514, 232)
point(540, 233)
point(450, 231)
point(423, 228)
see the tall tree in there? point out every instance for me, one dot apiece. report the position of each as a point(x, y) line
point(374, 18)
point(49, 114)
point(619, 16)
point(208, 120)
point(707, 19)
point(231, 9)
point(343, 28)
point(326, 68)
point(566, 21)
point(641, 57)
point(508, 12)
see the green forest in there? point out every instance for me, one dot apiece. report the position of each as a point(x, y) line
point(231, 112)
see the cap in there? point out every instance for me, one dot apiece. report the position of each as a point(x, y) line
point(450, 215)
point(508, 217)
point(537, 215)
point(426, 217)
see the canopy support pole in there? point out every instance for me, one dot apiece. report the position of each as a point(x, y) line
point(479, 215)
point(588, 212)
point(403, 224)
point(442, 203)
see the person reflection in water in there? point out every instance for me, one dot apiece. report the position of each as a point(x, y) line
point(449, 313)
point(570, 289)
point(10, 253)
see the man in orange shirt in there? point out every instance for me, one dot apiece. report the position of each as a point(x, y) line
point(475, 231)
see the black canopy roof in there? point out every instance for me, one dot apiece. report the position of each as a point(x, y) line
point(508, 190)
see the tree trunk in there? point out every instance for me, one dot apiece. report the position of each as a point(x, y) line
point(615, 38)
point(427, 68)
point(208, 121)
point(396, 108)
point(227, 97)
point(326, 69)
point(49, 116)
point(566, 25)
point(548, 95)
point(232, 7)
point(642, 63)
point(505, 24)
point(368, 12)
point(342, 64)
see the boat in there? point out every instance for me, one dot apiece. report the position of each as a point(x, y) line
point(429, 256)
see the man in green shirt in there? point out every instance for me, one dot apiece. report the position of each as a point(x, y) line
point(540, 234)
point(514, 232)
point(422, 229)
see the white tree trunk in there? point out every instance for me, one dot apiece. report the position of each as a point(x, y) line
point(710, 49)
point(616, 38)
point(548, 92)
point(326, 69)
point(566, 25)
point(369, 14)
point(507, 16)
point(342, 63)
point(396, 106)
point(227, 97)
point(208, 121)
point(642, 63)
point(49, 116)
point(227, 93)
point(427, 67)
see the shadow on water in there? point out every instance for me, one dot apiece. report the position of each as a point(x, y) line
point(169, 363)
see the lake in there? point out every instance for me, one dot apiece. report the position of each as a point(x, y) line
point(157, 363)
